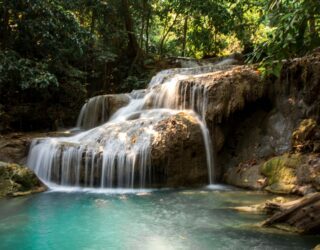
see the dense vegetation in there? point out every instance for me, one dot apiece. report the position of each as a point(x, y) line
point(56, 53)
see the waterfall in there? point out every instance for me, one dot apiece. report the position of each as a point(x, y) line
point(94, 112)
point(115, 150)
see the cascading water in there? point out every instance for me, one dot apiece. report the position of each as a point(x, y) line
point(117, 153)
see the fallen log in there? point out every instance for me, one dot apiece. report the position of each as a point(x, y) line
point(302, 216)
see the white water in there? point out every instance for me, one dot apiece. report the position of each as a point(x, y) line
point(117, 153)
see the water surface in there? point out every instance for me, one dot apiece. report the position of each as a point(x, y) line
point(169, 219)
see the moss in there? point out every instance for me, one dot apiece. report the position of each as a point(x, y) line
point(303, 138)
point(15, 179)
point(281, 172)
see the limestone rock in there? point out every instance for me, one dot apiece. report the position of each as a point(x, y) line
point(16, 180)
point(229, 90)
point(163, 150)
point(246, 176)
point(178, 152)
point(14, 147)
point(281, 173)
point(305, 138)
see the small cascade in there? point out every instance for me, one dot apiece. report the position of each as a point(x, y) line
point(94, 112)
point(111, 155)
point(116, 150)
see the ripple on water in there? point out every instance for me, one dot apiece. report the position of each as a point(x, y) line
point(170, 219)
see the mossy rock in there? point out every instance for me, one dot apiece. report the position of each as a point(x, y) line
point(303, 138)
point(281, 173)
point(16, 180)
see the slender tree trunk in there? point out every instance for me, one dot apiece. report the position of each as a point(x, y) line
point(313, 31)
point(165, 35)
point(93, 20)
point(133, 46)
point(143, 20)
point(184, 42)
point(4, 26)
point(147, 27)
point(301, 31)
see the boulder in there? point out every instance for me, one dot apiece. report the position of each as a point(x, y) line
point(284, 174)
point(229, 90)
point(281, 173)
point(16, 180)
point(178, 152)
point(246, 176)
point(158, 149)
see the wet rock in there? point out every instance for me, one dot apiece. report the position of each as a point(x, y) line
point(99, 109)
point(14, 147)
point(178, 152)
point(163, 150)
point(16, 180)
point(229, 90)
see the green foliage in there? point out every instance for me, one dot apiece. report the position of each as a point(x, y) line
point(294, 32)
point(56, 52)
point(23, 72)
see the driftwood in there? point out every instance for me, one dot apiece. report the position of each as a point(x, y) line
point(301, 215)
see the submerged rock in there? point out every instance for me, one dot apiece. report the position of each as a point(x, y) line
point(16, 180)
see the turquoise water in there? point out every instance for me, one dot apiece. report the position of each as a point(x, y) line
point(171, 219)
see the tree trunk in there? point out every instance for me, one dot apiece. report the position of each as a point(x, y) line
point(4, 26)
point(184, 42)
point(313, 30)
point(166, 33)
point(93, 20)
point(147, 28)
point(301, 216)
point(143, 20)
point(133, 46)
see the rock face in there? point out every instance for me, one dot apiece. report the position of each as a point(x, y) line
point(14, 147)
point(246, 175)
point(259, 128)
point(285, 174)
point(16, 180)
point(285, 120)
